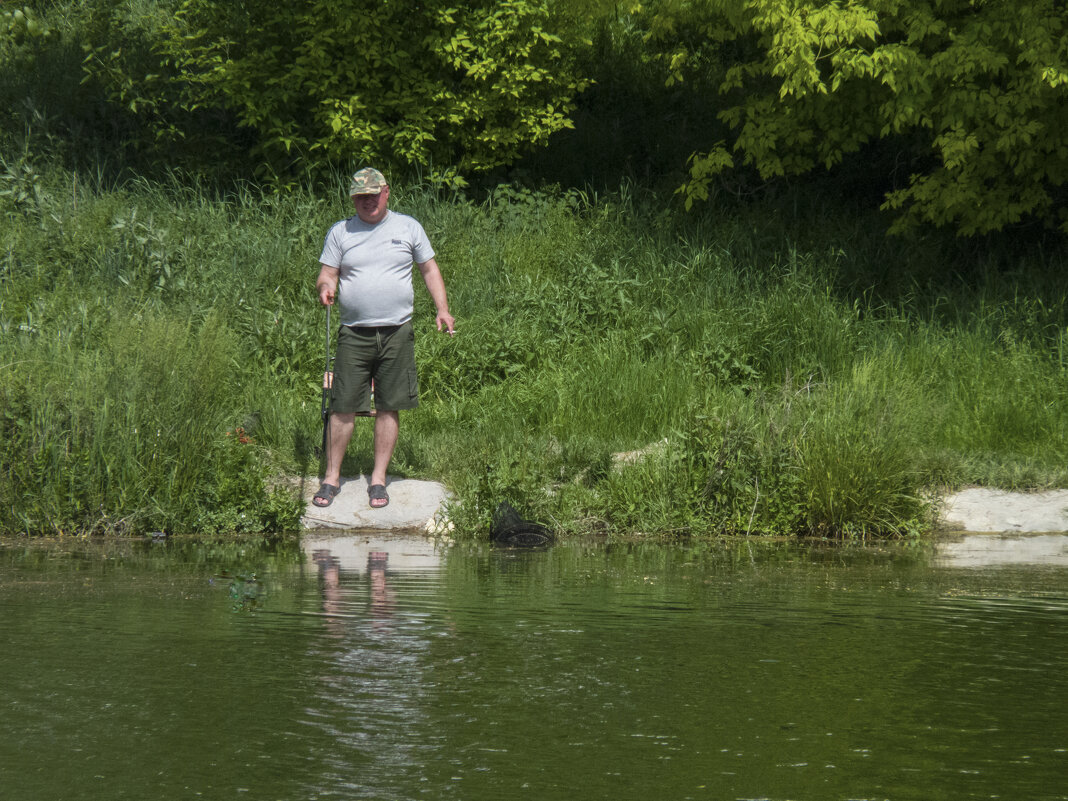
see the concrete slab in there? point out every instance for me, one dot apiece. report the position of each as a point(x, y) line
point(996, 528)
point(413, 505)
point(986, 510)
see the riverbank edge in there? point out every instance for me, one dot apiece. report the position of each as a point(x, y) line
point(420, 505)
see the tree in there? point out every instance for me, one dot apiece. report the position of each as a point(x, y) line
point(448, 88)
point(974, 92)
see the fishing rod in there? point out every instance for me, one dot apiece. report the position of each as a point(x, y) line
point(328, 380)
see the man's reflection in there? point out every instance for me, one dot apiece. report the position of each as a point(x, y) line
point(382, 595)
point(330, 581)
point(368, 709)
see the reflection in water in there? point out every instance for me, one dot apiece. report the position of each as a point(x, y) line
point(637, 673)
point(992, 550)
point(381, 604)
point(370, 695)
point(380, 668)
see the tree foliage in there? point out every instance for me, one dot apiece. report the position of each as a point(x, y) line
point(973, 92)
point(19, 24)
point(447, 88)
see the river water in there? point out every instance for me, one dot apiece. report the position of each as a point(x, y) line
point(387, 668)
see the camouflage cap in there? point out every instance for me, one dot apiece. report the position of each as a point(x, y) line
point(367, 181)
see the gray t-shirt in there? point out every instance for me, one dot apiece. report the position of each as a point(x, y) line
point(376, 267)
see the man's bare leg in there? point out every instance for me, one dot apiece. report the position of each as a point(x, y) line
point(387, 425)
point(338, 436)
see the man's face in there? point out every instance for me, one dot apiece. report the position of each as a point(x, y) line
point(371, 208)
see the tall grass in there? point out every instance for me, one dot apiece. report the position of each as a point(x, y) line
point(131, 361)
point(762, 376)
point(795, 392)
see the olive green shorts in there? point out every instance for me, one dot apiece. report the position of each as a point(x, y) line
point(385, 355)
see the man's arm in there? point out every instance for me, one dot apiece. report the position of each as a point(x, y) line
point(435, 285)
point(326, 284)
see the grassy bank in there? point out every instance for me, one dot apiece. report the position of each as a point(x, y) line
point(779, 367)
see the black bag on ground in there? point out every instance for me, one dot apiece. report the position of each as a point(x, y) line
point(508, 528)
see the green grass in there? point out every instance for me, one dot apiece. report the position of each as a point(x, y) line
point(779, 377)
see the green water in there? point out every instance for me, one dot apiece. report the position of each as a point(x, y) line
point(388, 669)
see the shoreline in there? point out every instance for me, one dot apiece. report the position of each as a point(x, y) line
point(417, 505)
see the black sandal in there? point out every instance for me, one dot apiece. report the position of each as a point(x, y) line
point(325, 494)
point(377, 492)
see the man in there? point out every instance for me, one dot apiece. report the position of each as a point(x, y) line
point(372, 255)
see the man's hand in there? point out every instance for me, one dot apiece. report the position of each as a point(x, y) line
point(445, 320)
point(436, 286)
point(326, 284)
